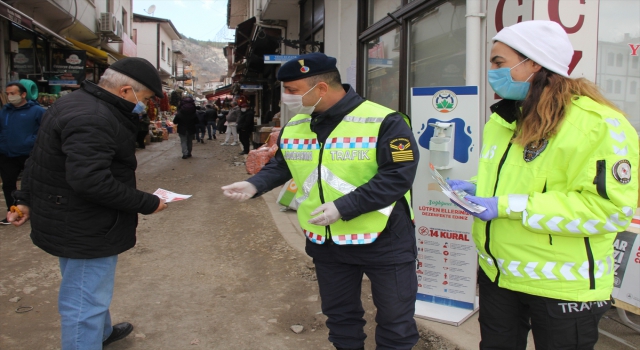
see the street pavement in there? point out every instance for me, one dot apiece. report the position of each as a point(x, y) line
point(207, 273)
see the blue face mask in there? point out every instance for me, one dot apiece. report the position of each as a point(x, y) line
point(502, 83)
point(139, 108)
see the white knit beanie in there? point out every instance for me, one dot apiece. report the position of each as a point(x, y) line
point(544, 42)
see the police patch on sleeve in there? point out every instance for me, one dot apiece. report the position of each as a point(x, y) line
point(622, 171)
point(401, 150)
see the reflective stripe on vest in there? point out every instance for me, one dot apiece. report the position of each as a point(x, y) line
point(551, 270)
point(322, 171)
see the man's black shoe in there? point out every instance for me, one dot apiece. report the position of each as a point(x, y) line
point(120, 331)
point(189, 155)
point(214, 137)
point(337, 348)
point(185, 157)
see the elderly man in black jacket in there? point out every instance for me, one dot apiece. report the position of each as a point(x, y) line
point(79, 190)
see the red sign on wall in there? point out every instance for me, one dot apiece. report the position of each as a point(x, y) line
point(129, 48)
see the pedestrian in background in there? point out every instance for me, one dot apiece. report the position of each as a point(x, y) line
point(186, 120)
point(555, 175)
point(201, 126)
point(211, 115)
point(222, 120)
point(245, 127)
point(232, 122)
point(79, 190)
point(19, 123)
point(354, 162)
point(143, 129)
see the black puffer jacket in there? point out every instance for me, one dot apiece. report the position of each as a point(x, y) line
point(80, 180)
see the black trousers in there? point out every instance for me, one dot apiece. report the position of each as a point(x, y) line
point(393, 288)
point(140, 138)
point(245, 140)
point(507, 316)
point(10, 168)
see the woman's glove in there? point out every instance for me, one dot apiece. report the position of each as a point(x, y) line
point(463, 185)
point(491, 203)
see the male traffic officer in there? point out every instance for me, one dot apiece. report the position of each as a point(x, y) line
point(354, 162)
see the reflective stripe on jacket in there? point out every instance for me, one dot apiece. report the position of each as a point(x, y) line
point(559, 213)
point(324, 173)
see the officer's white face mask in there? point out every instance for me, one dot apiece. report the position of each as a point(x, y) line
point(294, 103)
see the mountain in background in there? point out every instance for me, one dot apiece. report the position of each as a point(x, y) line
point(206, 57)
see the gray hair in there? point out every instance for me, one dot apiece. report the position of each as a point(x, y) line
point(112, 79)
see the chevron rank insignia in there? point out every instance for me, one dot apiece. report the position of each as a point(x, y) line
point(401, 150)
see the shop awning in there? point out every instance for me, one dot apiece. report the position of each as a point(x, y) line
point(224, 90)
point(94, 52)
point(244, 32)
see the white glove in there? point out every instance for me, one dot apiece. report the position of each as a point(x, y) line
point(240, 191)
point(330, 214)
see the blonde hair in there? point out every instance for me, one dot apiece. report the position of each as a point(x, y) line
point(544, 108)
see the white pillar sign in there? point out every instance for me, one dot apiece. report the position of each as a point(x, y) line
point(445, 124)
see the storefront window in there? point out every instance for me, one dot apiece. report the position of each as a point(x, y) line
point(378, 9)
point(382, 69)
point(617, 71)
point(437, 47)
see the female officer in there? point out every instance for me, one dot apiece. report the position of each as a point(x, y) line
point(555, 174)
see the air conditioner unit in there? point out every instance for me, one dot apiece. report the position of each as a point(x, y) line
point(107, 23)
point(119, 30)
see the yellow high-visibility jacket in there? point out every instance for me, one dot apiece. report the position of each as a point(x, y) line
point(559, 213)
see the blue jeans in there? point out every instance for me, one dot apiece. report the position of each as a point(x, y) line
point(211, 126)
point(83, 302)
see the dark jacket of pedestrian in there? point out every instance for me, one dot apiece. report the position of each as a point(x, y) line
point(186, 117)
point(201, 115)
point(245, 121)
point(143, 123)
point(19, 127)
point(211, 114)
point(80, 180)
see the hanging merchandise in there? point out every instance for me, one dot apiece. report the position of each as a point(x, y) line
point(151, 110)
point(164, 103)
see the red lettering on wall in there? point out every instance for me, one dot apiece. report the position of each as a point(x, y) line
point(500, 12)
point(634, 49)
point(554, 15)
point(577, 56)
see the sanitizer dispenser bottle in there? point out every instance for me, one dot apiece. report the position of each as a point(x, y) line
point(441, 145)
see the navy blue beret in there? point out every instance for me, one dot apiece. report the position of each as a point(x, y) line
point(306, 66)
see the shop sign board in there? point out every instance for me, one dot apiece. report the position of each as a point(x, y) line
point(447, 258)
point(14, 16)
point(279, 59)
point(23, 61)
point(380, 62)
point(68, 67)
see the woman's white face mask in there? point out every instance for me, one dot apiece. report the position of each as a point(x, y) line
point(294, 103)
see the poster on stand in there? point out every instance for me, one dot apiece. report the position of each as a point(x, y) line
point(626, 264)
point(446, 126)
